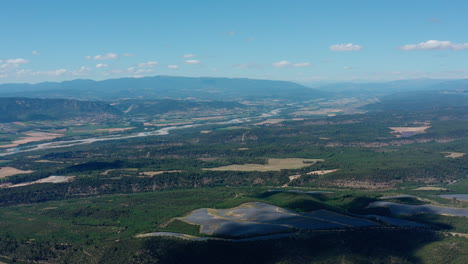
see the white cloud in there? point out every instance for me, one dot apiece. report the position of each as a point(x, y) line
point(58, 72)
point(35, 52)
point(189, 56)
point(347, 68)
point(82, 71)
point(247, 66)
point(101, 65)
point(173, 67)
point(302, 64)
point(192, 62)
point(128, 55)
point(143, 71)
point(17, 61)
point(435, 45)
point(287, 64)
point(10, 64)
point(149, 64)
point(231, 33)
point(130, 70)
point(108, 56)
point(346, 47)
point(282, 64)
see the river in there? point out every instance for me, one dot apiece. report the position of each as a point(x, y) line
point(159, 132)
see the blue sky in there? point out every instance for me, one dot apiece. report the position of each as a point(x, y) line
point(304, 41)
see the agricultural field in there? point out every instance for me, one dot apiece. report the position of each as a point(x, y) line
point(272, 165)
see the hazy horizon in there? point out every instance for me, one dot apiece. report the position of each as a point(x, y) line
point(299, 41)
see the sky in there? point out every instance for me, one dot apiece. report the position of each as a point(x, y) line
point(296, 40)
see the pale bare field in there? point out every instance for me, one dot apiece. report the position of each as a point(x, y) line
point(153, 173)
point(318, 172)
point(270, 122)
point(397, 131)
point(409, 129)
point(326, 111)
point(454, 155)
point(121, 129)
point(167, 124)
point(458, 234)
point(430, 188)
point(321, 172)
point(8, 146)
point(48, 161)
point(20, 123)
point(206, 131)
point(293, 177)
point(33, 137)
point(123, 169)
point(209, 118)
point(273, 165)
point(50, 179)
point(10, 171)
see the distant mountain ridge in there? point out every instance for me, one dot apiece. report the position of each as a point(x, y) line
point(429, 100)
point(159, 87)
point(25, 109)
point(392, 87)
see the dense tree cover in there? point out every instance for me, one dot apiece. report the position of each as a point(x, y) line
point(111, 199)
point(155, 107)
point(25, 109)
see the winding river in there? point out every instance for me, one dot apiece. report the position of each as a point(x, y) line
point(159, 132)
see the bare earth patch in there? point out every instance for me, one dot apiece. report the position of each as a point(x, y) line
point(256, 219)
point(123, 169)
point(47, 161)
point(458, 234)
point(430, 188)
point(321, 172)
point(270, 122)
point(408, 131)
point(20, 123)
point(50, 179)
point(293, 177)
point(10, 171)
point(121, 129)
point(152, 173)
point(454, 154)
point(206, 131)
point(327, 111)
point(167, 124)
point(32, 137)
point(273, 165)
point(209, 118)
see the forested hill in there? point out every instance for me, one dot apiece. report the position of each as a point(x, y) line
point(24, 109)
point(159, 106)
point(164, 87)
